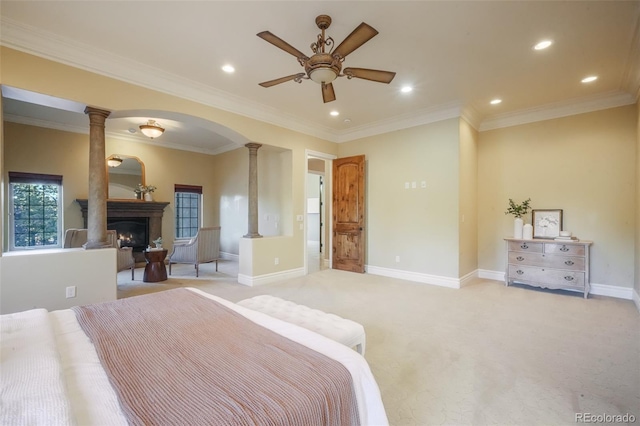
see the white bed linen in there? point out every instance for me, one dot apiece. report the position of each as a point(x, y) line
point(94, 402)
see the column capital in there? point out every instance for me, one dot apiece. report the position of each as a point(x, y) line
point(253, 146)
point(96, 116)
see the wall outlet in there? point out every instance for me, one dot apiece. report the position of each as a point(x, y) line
point(276, 261)
point(423, 184)
point(398, 259)
point(70, 292)
point(413, 185)
point(406, 185)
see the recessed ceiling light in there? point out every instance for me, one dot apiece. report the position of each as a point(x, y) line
point(406, 89)
point(495, 101)
point(347, 120)
point(228, 69)
point(334, 113)
point(543, 45)
point(589, 79)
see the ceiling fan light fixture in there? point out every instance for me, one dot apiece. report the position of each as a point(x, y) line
point(323, 75)
point(151, 129)
point(114, 161)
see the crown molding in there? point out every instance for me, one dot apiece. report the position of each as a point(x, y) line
point(70, 52)
point(558, 110)
point(12, 118)
point(399, 122)
point(67, 51)
point(631, 78)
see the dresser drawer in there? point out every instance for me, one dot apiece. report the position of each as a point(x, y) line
point(548, 276)
point(526, 246)
point(570, 263)
point(564, 249)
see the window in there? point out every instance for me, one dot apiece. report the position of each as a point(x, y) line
point(35, 210)
point(187, 199)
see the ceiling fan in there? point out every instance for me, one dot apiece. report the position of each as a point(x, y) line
point(325, 66)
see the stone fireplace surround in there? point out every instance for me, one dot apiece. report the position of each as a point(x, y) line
point(152, 210)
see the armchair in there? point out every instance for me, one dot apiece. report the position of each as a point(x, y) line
point(203, 248)
point(75, 238)
point(124, 255)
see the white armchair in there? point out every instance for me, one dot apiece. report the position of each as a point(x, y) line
point(203, 248)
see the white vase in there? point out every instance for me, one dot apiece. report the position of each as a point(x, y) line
point(527, 232)
point(148, 196)
point(518, 223)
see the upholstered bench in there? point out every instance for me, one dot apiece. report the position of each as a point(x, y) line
point(344, 331)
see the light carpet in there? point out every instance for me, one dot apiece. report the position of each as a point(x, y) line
point(485, 354)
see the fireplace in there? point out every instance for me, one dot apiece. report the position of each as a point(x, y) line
point(132, 231)
point(132, 216)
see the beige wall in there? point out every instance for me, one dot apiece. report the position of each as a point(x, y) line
point(468, 215)
point(66, 154)
point(40, 75)
point(584, 164)
point(28, 282)
point(637, 224)
point(420, 225)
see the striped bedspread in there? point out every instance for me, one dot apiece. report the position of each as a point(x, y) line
point(176, 357)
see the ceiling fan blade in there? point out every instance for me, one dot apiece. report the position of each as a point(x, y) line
point(328, 95)
point(278, 42)
point(281, 80)
point(362, 34)
point(372, 75)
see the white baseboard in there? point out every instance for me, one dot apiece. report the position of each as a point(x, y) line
point(596, 289)
point(230, 256)
point(636, 299)
point(270, 278)
point(491, 275)
point(414, 276)
point(466, 280)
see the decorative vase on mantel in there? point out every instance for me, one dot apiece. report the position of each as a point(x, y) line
point(148, 196)
point(527, 232)
point(518, 225)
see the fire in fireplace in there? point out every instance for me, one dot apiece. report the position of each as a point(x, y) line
point(132, 231)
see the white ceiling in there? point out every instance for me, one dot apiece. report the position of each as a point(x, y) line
point(457, 55)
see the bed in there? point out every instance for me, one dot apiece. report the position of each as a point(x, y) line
point(54, 373)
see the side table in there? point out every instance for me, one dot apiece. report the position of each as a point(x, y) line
point(155, 270)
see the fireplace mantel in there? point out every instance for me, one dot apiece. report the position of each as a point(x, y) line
point(133, 208)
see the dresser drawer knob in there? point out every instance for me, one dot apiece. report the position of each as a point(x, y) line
point(524, 246)
point(519, 272)
point(569, 262)
point(520, 258)
point(564, 248)
point(568, 278)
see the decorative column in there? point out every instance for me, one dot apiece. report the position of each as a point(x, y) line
point(253, 190)
point(97, 207)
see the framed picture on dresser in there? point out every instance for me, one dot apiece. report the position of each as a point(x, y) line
point(546, 223)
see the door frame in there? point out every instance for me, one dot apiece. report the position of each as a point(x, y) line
point(328, 181)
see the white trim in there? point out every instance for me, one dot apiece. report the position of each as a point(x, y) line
point(636, 299)
point(399, 122)
point(468, 278)
point(414, 276)
point(270, 278)
point(558, 110)
point(611, 291)
point(491, 275)
point(618, 292)
point(48, 45)
point(230, 256)
point(328, 217)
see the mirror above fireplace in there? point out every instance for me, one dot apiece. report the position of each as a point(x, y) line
point(124, 174)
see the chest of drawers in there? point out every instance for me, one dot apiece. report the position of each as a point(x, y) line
point(548, 263)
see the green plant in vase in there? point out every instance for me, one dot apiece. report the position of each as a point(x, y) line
point(518, 210)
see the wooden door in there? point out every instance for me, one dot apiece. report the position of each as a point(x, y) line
point(348, 214)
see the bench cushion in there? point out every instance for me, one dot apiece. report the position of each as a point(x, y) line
point(345, 331)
